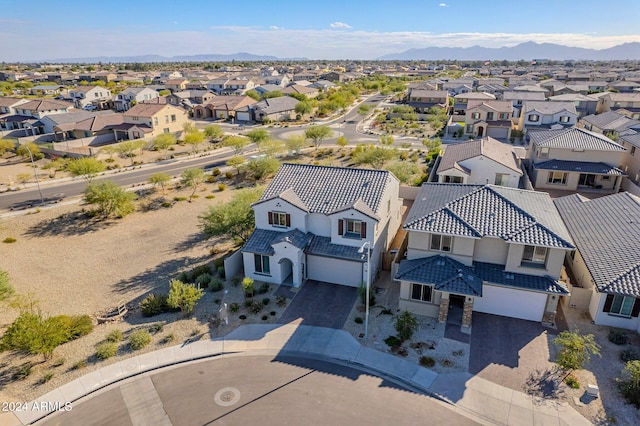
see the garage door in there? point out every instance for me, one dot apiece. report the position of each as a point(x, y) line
point(511, 303)
point(243, 116)
point(498, 132)
point(334, 271)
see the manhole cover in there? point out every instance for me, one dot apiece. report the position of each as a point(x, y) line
point(227, 396)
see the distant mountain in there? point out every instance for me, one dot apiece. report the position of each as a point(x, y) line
point(211, 57)
point(526, 51)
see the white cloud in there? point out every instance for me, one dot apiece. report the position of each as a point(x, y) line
point(275, 27)
point(339, 25)
point(443, 5)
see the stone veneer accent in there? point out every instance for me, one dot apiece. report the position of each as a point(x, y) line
point(444, 310)
point(549, 318)
point(467, 312)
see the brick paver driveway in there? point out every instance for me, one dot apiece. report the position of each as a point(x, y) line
point(321, 304)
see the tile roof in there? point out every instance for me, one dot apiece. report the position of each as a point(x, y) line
point(606, 231)
point(322, 189)
point(487, 146)
point(574, 138)
point(580, 166)
point(261, 241)
point(476, 211)
point(633, 139)
point(44, 105)
point(447, 274)
point(321, 246)
point(143, 109)
point(544, 107)
point(525, 96)
point(275, 105)
point(610, 120)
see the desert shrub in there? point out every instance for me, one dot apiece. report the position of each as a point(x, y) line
point(228, 175)
point(180, 198)
point(80, 364)
point(139, 339)
point(154, 304)
point(209, 196)
point(23, 371)
point(630, 354)
point(203, 280)
point(58, 362)
point(256, 307)
point(215, 172)
point(427, 361)
point(156, 327)
point(199, 270)
point(272, 313)
point(9, 240)
point(393, 341)
point(221, 272)
point(114, 336)
point(106, 350)
point(235, 281)
point(80, 325)
point(222, 187)
point(184, 277)
point(266, 301)
point(218, 262)
point(281, 301)
point(617, 337)
point(358, 320)
point(264, 288)
point(216, 284)
point(572, 382)
point(183, 296)
point(211, 179)
point(166, 204)
point(630, 386)
point(168, 339)
point(406, 324)
point(243, 317)
point(265, 317)
point(234, 307)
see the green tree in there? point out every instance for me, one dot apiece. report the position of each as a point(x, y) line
point(237, 143)
point(56, 165)
point(270, 147)
point(111, 199)
point(128, 149)
point(405, 171)
point(375, 156)
point(194, 139)
point(159, 180)
point(183, 296)
point(406, 324)
point(258, 136)
point(189, 127)
point(23, 151)
point(192, 178)
point(236, 162)
point(87, 168)
point(295, 143)
point(317, 134)
point(364, 109)
point(233, 219)
point(6, 145)
point(575, 349)
point(6, 288)
point(303, 108)
point(386, 140)
point(262, 168)
point(342, 141)
point(163, 142)
point(253, 94)
point(213, 132)
point(33, 334)
point(432, 144)
point(23, 178)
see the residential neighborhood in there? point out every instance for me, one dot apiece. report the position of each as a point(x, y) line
point(454, 227)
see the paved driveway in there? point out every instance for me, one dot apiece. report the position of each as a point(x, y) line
point(508, 351)
point(321, 304)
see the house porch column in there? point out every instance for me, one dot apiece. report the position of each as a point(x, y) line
point(618, 182)
point(467, 312)
point(443, 313)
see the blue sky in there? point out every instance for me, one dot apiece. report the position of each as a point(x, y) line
point(327, 29)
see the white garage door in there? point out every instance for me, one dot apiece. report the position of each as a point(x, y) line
point(243, 116)
point(498, 132)
point(334, 271)
point(511, 303)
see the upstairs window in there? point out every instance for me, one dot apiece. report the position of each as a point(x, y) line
point(544, 152)
point(352, 228)
point(280, 219)
point(441, 242)
point(504, 116)
point(564, 119)
point(490, 116)
point(475, 115)
point(534, 256)
point(534, 118)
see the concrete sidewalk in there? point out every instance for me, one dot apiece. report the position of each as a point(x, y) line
point(484, 401)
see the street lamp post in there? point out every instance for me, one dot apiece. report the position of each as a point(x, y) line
point(35, 173)
point(366, 314)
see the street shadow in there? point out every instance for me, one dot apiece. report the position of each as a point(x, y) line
point(545, 383)
point(189, 242)
point(67, 225)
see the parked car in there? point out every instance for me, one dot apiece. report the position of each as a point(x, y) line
point(90, 108)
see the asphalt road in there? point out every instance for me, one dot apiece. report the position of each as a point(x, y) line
point(259, 390)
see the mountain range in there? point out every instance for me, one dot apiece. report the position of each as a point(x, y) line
point(211, 57)
point(527, 51)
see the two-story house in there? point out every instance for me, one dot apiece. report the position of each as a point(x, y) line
point(574, 159)
point(631, 161)
point(549, 115)
point(460, 101)
point(480, 161)
point(421, 100)
point(483, 248)
point(238, 86)
point(188, 99)
point(610, 123)
point(519, 98)
point(224, 107)
point(150, 120)
point(488, 118)
point(615, 101)
point(606, 262)
point(318, 222)
point(125, 98)
point(585, 104)
point(176, 84)
point(89, 95)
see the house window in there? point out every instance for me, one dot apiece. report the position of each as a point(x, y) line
point(354, 228)
point(504, 116)
point(173, 118)
point(475, 115)
point(633, 150)
point(534, 256)
point(135, 118)
point(502, 179)
point(534, 118)
point(564, 119)
point(280, 219)
point(544, 152)
point(165, 130)
point(469, 128)
point(155, 121)
point(619, 305)
point(558, 178)
point(490, 116)
point(166, 119)
point(441, 242)
point(423, 293)
point(261, 263)
point(453, 179)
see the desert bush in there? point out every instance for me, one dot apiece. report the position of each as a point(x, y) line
point(234, 307)
point(427, 361)
point(139, 339)
point(203, 280)
point(266, 301)
point(264, 288)
point(216, 284)
point(156, 327)
point(572, 382)
point(114, 336)
point(281, 301)
point(256, 307)
point(183, 296)
point(265, 317)
point(23, 371)
point(243, 317)
point(79, 365)
point(154, 304)
point(106, 350)
point(79, 325)
point(406, 324)
point(617, 337)
point(222, 187)
point(358, 320)
point(58, 362)
point(630, 354)
point(9, 240)
point(393, 341)
point(168, 339)
point(221, 272)
point(199, 270)
point(228, 175)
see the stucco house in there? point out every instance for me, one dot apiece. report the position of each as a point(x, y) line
point(611, 123)
point(606, 262)
point(483, 248)
point(138, 94)
point(631, 161)
point(311, 222)
point(152, 119)
point(480, 161)
point(518, 99)
point(223, 107)
point(615, 101)
point(549, 115)
point(460, 101)
point(275, 109)
point(585, 104)
point(421, 99)
point(574, 159)
point(87, 95)
point(488, 118)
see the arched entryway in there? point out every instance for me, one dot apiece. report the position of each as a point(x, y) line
point(480, 131)
point(286, 271)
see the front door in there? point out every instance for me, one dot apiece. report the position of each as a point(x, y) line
point(480, 131)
